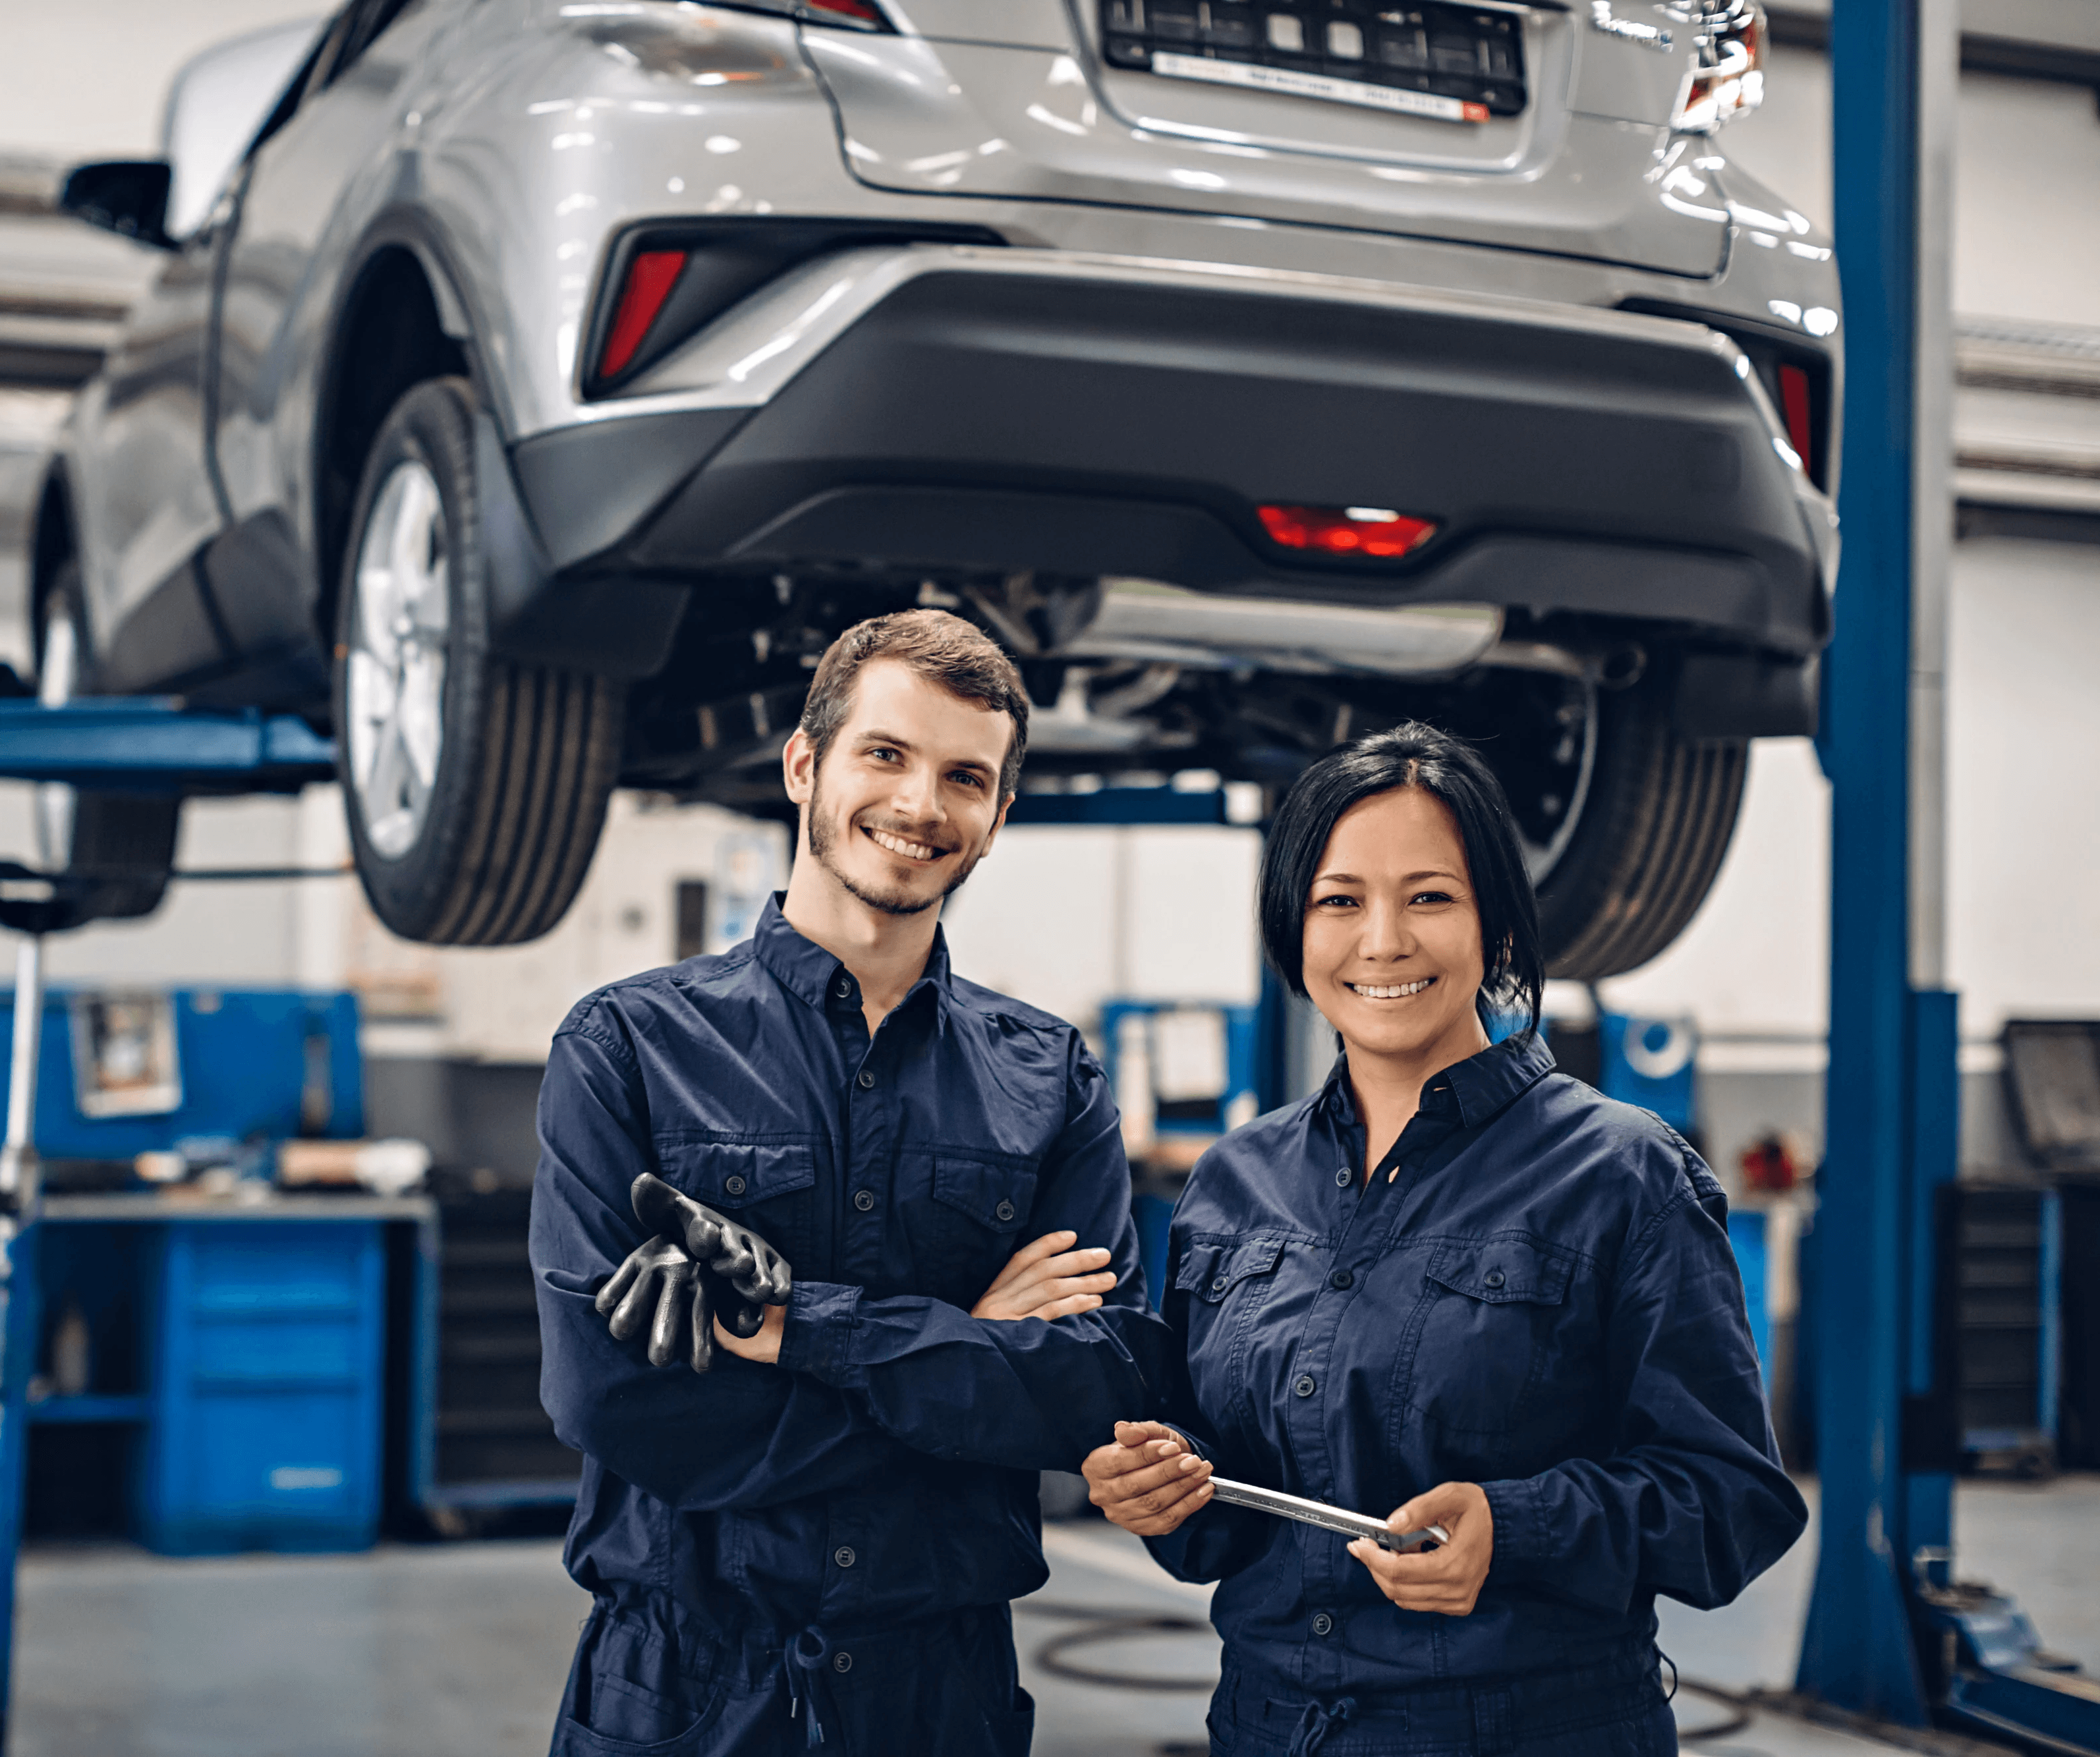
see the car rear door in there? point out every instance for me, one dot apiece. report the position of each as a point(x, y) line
point(1524, 126)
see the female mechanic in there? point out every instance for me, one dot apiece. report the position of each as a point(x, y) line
point(1456, 1283)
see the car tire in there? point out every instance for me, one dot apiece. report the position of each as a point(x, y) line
point(116, 851)
point(475, 787)
point(1655, 820)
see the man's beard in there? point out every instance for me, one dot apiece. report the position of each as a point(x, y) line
point(822, 844)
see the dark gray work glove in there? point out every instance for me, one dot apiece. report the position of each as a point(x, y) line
point(661, 1289)
point(700, 1263)
point(723, 1248)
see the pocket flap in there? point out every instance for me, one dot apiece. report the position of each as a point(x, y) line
point(1498, 1272)
point(733, 1175)
point(999, 1196)
point(1212, 1272)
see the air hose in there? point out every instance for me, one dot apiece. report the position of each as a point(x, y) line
point(1100, 1625)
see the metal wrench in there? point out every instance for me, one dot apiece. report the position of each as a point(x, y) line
point(1329, 1518)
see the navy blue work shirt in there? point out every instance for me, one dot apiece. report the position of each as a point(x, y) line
point(1543, 1300)
point(886, 1467)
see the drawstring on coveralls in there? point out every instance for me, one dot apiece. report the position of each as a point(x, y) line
point(1316, 1723)
point(809, 1657)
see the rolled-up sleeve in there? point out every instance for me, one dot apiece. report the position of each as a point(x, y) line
point(1030, 1394)
point(1692, 1500)
point(740, 1436)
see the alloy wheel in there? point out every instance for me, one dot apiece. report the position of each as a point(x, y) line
point(396, 665)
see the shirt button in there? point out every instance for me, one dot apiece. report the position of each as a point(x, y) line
point(867, 1081)
point(842, 1662)
point(734, 1186)
point(1306, 1385)
point(1341, 1278)
point(1218, 1283)
point(1342, 1179)
point(1323, 1624)
point(863, 1200)
point(1004, 1211)
point(844, 1556)
point(843, 988)
point(1494, 1278)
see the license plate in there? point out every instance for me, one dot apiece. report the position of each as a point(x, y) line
point(1452, 64)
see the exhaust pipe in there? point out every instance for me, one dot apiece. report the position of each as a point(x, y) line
point(1145, 620)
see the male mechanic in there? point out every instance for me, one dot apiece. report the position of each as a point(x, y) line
point(814, 1541)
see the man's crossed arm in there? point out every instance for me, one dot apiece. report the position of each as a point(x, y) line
point(704, 1278)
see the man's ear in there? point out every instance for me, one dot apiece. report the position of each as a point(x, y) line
point(998, 824)
point(798, 767)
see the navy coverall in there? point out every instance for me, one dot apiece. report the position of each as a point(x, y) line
point(1542, 1301)
point(839, 1533)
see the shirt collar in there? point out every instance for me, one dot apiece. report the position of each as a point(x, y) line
point(1478, 1089)
point(813, 975)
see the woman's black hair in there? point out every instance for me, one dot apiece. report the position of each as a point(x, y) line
point(1410, 756)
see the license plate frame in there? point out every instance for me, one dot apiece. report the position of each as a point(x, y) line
point(1436, 59)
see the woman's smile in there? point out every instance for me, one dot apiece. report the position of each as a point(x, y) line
point(1374, 991)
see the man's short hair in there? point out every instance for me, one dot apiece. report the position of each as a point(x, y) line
point(942, 648)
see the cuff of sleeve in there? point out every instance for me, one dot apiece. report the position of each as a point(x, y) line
point(818, 1336)
point(1520, 1533)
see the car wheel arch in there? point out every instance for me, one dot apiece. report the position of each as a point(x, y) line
point(404, 268)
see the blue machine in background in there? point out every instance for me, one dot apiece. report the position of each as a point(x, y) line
point(1652, 1063)
point(1199, 1064)
point(240, 1064)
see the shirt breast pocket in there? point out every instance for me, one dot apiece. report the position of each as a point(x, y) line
point(1212, 1272)
point(769, 1186)
point(974, 1223)
point(1227, 1283)
point(1486, 1331)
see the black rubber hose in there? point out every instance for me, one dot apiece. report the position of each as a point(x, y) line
point(1108, 1625)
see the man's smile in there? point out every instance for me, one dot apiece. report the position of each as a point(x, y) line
point(901, 847)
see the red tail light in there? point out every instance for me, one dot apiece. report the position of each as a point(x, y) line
point(857, 11)
point(1370, 530)
point(651, 276)
point(1793, 400)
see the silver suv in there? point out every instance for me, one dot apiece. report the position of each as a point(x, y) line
point(544, 383)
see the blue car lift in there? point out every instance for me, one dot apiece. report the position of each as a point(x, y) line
point(1890, 1633)
point(132, 745)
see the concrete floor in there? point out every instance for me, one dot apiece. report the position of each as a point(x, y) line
point(460, 1650)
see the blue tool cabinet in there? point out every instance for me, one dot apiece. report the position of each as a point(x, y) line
point(242, 1361)
point(267, 1388)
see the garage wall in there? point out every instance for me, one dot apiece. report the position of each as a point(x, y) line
point(86, 79)
point(2026, 163)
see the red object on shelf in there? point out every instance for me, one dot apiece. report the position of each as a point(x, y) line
point(1366, 530)
point(651, 276)
point(1771, 1163)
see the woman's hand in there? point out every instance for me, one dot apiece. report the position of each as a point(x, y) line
point(1047, 1279)
point(1147, 1481)
point(1447, 1578)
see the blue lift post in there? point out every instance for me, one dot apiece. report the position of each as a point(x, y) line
point(133, 745)
point(1893, 1084)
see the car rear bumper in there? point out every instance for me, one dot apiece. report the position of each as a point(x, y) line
point(951, 412)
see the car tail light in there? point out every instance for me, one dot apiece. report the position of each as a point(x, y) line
point(667, 279)
point(860, 12)
point(651, 276)
point(1729, 80)
point(856, 15)
point(1794, 406)
point(1367, 530)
